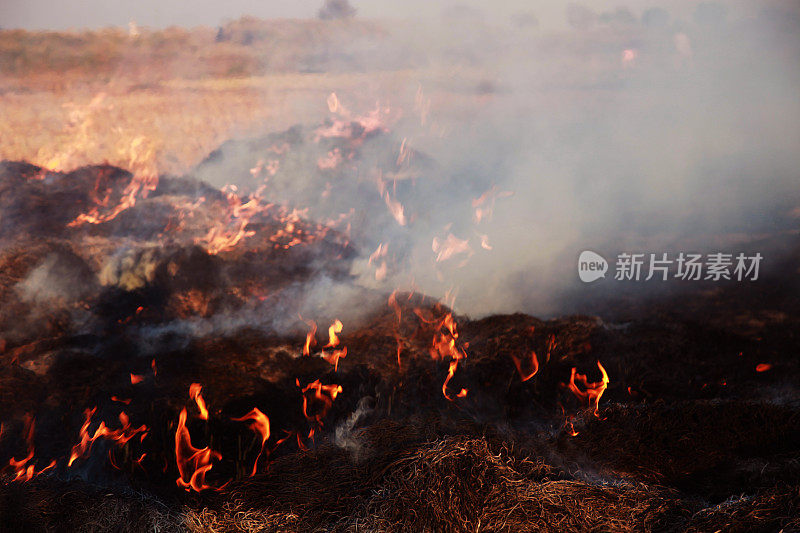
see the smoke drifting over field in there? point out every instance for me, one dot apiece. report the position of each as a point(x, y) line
point(644, 131)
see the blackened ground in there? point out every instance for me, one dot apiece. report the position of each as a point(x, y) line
point(689, 435)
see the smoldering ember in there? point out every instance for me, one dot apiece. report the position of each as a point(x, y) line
point(375, 271)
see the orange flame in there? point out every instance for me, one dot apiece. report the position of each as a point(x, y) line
point(324, 395)
point(534, 366)
point(394, 305)
point(335, 328)
point(259, 425)
point(334, 356)
point(450, 247)
point(193, 463)
point(141, 163)
point(395, 208)
point(194, 394)
point(24, 469)
point(379, 253)
point(444, 345)
point(119, 437)
point(591, 393)
point(483, 206)
point(311, 339)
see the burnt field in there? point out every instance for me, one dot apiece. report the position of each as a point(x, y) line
point(168, 365)
point(320, 275)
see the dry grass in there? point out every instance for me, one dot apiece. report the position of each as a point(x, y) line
point(159, 103)
point(450, 484)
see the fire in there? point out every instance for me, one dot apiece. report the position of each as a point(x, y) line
point(323, 396)
point(483, 206)
point(379, 254)
point(335, 328)
point(444, 345)
point(227, 233)
point(763, 367)
point(193, 463)
point(533, 366)
point(399, 314)
point(404, 154)
point(119, 437)
point(24, 469)
point(141, 163)
point(333, 104)
point(394, 305)
point(259, 425)
point(194, 393)
point(395, 207)
point(311, 339)
point(450, 247)
point(354, 127)
point(136, 379)
point(591, 393)
point(334, 356)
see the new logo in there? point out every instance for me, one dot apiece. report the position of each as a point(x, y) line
point(591, 266)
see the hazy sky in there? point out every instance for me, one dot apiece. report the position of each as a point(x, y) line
point(50, 14)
